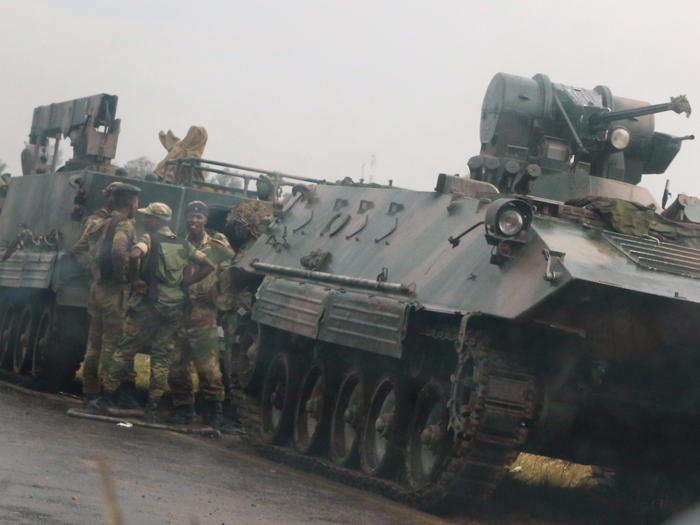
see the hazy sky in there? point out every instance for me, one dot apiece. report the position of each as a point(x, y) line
point(314, 87)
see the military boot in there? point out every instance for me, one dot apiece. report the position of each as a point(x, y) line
point(230, 410)
point(149, 413)
point(127, 396)
point(102, 402)
point(214, 417)
point(87, 398)
point(181, 415)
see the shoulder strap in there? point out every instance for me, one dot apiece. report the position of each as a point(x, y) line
point(149, 271)
point(105, 258)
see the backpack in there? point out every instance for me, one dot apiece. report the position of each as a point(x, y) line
point(149, 272)
point(104, 260)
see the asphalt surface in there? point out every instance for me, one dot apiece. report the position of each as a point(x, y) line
point(49, 475)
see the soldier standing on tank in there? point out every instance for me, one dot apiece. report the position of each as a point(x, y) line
point(104, 247)
point(198, 339)
point(157, 305)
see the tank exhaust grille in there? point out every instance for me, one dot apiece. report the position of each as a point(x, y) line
point(650, 253)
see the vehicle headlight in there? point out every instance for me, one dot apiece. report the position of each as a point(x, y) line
point(510, 222)
point(507, 219)
point(619, 138)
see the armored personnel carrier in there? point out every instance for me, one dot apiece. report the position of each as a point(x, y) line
point(413, 343)
point(43, 291)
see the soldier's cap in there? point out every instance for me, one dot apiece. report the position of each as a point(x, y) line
point(196, 207)
point(122, 188)
point(157, 209)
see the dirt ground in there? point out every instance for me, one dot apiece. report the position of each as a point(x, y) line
point(49, 475)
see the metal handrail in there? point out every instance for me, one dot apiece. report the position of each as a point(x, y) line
point(194, 163)
point(198, 160)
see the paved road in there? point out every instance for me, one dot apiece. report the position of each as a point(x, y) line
point(48, 475)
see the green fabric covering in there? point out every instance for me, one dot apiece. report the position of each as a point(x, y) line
point(634, 219)
point(315, 260)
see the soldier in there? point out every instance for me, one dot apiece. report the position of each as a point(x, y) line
point(104, 247)
point(248, 222)
point(198, 339)
point(157, 304)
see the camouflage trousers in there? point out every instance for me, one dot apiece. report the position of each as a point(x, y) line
point(197, 341)
point(238, 335)
point(146, 326)
point(107, 310)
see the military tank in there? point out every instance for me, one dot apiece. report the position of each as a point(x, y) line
point(43, 290)
point(413, 343)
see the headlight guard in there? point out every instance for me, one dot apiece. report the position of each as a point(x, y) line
point(507, 219)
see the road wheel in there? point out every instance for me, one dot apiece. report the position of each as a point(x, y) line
point(428, 441)
point(348, 418)
point(8, 333)
point(279, 398)
point(383, 436)
point(253, 356)
point(315, 409)
point(26, 328)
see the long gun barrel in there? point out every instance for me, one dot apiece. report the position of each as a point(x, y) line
point(678, 104)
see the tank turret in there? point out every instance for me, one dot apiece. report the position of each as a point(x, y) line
point(533, 127)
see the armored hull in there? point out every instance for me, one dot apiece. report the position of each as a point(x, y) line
point(539, 354)
point(415, 342)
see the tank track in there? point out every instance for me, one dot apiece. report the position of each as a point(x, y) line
point(478, 457)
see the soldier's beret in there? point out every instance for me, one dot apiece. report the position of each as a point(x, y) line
point(196, 207)
point(126, 188)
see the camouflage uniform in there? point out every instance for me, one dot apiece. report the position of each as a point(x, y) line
point(198, 339)
point(235, 322)
point(107, 303)
point(248, 217)
point(153, 321)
